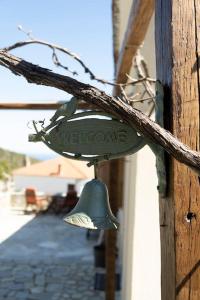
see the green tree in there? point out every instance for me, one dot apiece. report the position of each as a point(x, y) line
point(4, 169)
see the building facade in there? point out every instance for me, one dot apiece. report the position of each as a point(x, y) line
point(139, 236)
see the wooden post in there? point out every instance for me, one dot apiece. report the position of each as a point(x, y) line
point(177, 53)
point(115, 194)
point(139, 18)
point(112, 174)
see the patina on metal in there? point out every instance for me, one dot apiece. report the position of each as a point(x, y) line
point(95, 136)
point(93, 209)
point(91, 136)
point(158, 150)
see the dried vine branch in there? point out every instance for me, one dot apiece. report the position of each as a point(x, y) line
point(142, 71)
point(143, 124)
point(148, 86)
point(143, 77)
point(74, 56)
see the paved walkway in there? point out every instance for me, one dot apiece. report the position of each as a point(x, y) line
point(42, 258)
point(54, 281)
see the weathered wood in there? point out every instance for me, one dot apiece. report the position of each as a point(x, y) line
point(112, 174)
point(177, 38)
point(139, 18)
point(90, 94)
point(38, 106)
point(111, 239)
point(55, 58)
point(116, 193)
point(104, 173)
point(115, 29)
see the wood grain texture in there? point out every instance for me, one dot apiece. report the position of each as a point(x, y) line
point(104, 173)
point(139, 19)
point(115, 29)
point(38, 106)
point(112, 173)
point(177, 46)
point(115, 188)
point(186, 127)
point(143, 124)
point(163, 40)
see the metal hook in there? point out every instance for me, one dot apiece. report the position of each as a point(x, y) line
point(95, 169)
point(29, 123)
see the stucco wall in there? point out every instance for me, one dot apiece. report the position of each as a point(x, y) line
point(124, 7)
point(139, 232)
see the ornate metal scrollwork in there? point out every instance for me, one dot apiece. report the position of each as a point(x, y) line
point(91, 136)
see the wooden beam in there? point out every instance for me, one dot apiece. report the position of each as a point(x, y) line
point(39, 106)
point(115, 193)
point(139, 18)
point(112, 174)
point(104, 173)
point(116, 27)
point(177, 52)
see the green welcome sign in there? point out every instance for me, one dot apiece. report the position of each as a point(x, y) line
point(91, 136)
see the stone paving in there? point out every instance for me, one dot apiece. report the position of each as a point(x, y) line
point(47, 281)
point(45, 259)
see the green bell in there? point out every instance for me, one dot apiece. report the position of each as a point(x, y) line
point(93, 209)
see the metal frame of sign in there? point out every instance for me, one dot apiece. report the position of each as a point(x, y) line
point(132, 140)
point(62, 136)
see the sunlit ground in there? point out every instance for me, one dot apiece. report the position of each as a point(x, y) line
point(11, 222)
point(43, 258)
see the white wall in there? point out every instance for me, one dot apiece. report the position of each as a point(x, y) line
point(127, 227)
point(48, 185)
point(139, 230)
point(146, 259)
point(125, 6)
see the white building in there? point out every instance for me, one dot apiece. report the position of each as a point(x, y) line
point(53, 176)
point(139, 231)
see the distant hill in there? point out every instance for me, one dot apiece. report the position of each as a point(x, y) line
point(11, 160)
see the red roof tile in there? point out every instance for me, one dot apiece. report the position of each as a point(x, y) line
point(58, 167)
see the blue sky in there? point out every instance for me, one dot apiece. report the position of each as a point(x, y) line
point(85, 27)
